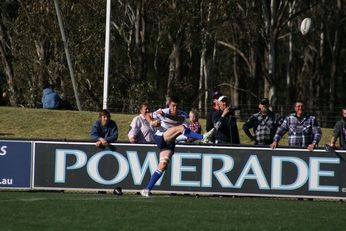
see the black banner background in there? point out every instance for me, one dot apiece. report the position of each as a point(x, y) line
point(45, 158)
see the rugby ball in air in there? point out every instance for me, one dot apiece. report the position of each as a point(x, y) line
point(305, 26)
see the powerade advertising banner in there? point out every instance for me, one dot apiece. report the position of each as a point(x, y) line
point(193, 169)
point(15, 164)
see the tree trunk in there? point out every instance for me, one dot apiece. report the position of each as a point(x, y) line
point(140, 40)
point(125, 30)
point(335, 56)
point(235, 91)
point(206, 77)
point(270, 19)
point(40, 51)
point(174, 67)
point(201, 78)
point(204, 70)
point(290, 55)
point(7, 63)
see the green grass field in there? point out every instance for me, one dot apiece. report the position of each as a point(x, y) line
point(82, 211)
point(20, 210)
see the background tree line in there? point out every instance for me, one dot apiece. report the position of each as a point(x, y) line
point(248, 49)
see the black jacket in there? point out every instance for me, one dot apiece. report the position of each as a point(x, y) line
point(226, 128)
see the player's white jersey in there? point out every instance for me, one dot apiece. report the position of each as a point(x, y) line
point(167, 122)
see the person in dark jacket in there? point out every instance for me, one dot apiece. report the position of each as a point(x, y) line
point(215, 107)
point(339, 131)
point(225, 124)
point(209, 118)
point(104, 131)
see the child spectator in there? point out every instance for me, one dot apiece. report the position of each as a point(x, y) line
point(194, 125)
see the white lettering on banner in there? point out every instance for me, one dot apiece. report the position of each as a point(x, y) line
point(258, 175)
point(207, 170)
point(302, 172)
point(176, 178)
point(315, 173)
point(93, 168)
point(92, 165)
point(8, 181)
point(138, 171)
point(3, 150)
point(60, 163)
point(252, 170)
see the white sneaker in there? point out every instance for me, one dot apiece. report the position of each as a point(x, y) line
point(207, 136)
point(145, 192)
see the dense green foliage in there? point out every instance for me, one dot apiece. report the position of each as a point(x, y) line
point(78, 211)
point(247, 49)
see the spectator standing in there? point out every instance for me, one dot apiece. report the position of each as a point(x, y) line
point(303, 129)
point(225, 123)
point(215, 107)
point(141, 130)
point(104, 131)
point(340, 131)
point(264, 124)
point(194, 124)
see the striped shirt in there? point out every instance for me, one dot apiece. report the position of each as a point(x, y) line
point(301, 132)
point(167, 122)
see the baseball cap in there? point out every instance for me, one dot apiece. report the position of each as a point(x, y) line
point(217, 94)
point(222, 98)
point(265, 102)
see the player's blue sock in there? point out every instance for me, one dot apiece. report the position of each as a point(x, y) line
point(188, 133)
point(154, 178)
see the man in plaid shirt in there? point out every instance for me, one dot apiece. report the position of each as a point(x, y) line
point(303, 129)
point(264, 124)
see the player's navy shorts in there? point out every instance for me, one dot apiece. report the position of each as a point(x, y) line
point(162, 144)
